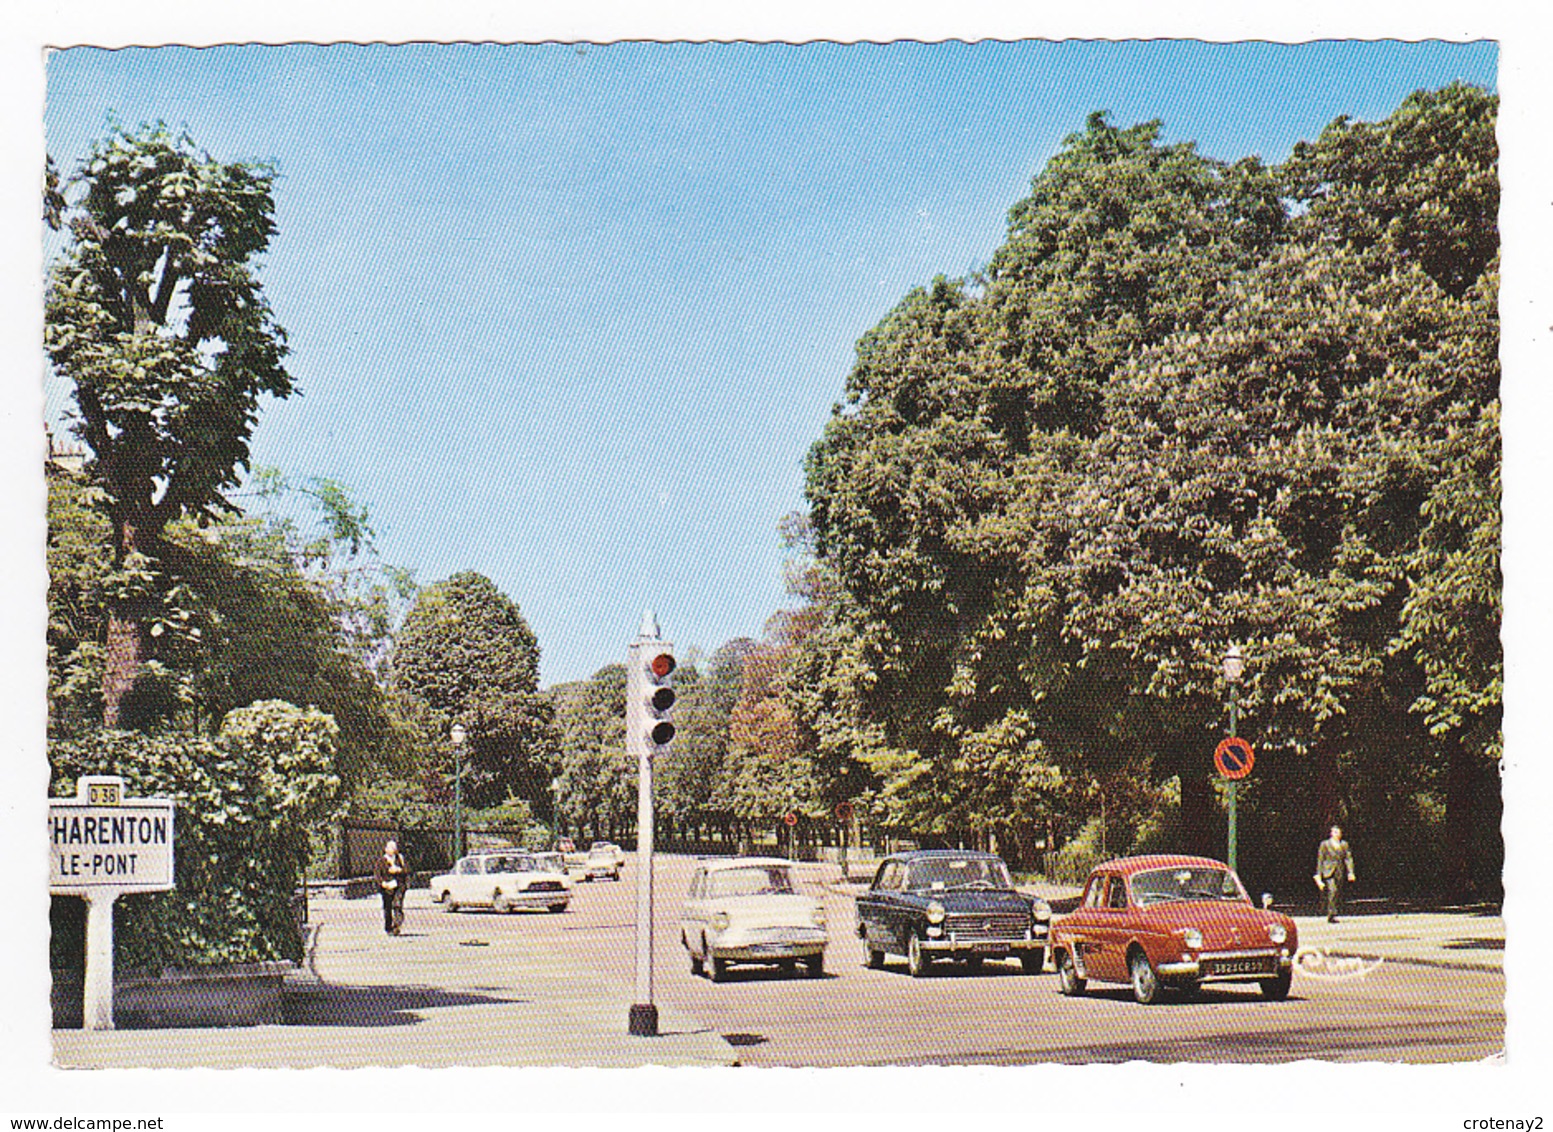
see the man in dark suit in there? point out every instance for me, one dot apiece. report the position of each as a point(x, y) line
point(1334, 869)
point(393, 878)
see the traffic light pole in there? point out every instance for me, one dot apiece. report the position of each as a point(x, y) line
point(650, 660)
point(643, 1020)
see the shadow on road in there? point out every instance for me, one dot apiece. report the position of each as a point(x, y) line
point(335, 1005)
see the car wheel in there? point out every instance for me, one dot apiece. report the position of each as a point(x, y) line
point(1068, 979)
point(719, 970)
point(815, 965)
point(918, 962)
point(972, 964)
point(448, 903)
point(696, 965)
point(875, 959)
point(1033, 964)
point(558, 907)
point(1145, 984)
point(1277, 989)
point(500, 902)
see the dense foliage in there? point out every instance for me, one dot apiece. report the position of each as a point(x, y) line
point(465, 652)
point(1188, 405)
point(156, 316)
point(246, 797)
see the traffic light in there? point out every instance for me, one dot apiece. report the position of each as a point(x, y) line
point(658, 696)
point(649, 690)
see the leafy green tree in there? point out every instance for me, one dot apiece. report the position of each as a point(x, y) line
point(597, 778)
point(466, 652)
point(247, 797)
point(156, 316)
point(966, 401)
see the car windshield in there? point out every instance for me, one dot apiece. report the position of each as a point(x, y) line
point(944, 873)
point(1190, 882)
point(750, 880)
point(512, 864)
point(552, 861)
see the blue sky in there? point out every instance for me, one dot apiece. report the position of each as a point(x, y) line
point(571, 315)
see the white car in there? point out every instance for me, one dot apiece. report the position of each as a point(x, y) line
point(503, 881)
point(615, 851)
point(748, 910)
point(601, 862)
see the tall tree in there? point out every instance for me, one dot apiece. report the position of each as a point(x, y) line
point(155, 314)
point(467, 653)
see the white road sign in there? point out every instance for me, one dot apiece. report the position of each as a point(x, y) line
point(126, 844)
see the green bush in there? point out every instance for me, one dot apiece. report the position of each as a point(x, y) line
point(246, 800)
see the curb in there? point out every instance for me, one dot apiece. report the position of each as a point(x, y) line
point(1413, 961)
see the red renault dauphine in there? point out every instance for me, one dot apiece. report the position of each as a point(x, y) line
point(1171, 921)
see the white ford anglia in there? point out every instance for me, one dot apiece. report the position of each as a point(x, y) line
point(503, 880)
point(748, 910)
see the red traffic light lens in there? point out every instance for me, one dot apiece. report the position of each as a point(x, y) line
point(662, 699)
point(662, 665)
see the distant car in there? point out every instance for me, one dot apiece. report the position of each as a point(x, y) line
point(504, 881)
point(618, 853)
point(570, 854)
point(601, 862)
point(951, 904)
point(555, 862)
point(1172, 921)
point(748, 910)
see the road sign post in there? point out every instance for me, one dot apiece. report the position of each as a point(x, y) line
point(101, 846)
point(649, 698)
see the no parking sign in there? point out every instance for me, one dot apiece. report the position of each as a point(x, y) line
point(1233, 757)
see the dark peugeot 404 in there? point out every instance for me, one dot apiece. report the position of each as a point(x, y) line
point(1172, 921)
point(950, 904)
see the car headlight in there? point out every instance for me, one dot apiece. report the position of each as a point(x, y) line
point(817, 914)
point(1192, 938)
point(1277, 933)
point(935, 913)
point(719, 921)
point(1041, 910)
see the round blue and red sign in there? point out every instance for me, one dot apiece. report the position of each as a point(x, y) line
point(1233, 757)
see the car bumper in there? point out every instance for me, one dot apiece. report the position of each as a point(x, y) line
point(1230, 966)
point(755, 945)
point(538, 899)
point(992, 948)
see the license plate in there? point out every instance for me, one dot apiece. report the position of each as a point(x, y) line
point(987, 948)
point(1242, 967)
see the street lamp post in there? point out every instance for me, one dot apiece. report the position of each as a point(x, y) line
point(1234, 668)
point(458, 735)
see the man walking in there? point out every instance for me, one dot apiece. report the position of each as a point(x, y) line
point(393, 878)
point(1334, 869)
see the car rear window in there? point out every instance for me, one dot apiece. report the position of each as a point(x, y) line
point(754, 880)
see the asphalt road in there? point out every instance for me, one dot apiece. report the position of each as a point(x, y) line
point(854, 1016)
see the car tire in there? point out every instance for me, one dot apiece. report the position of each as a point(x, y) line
point(448, 903)
point(1069, 981)
point(1033, 964)
point(719, 970)
point(875, 960)
point(1276, 990)
point(1145, 983)
point(558, 907)
point(697, 967)
point(918, 962)
point(815, 966)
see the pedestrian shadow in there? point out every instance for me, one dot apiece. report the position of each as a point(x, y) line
point(341, 1005)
